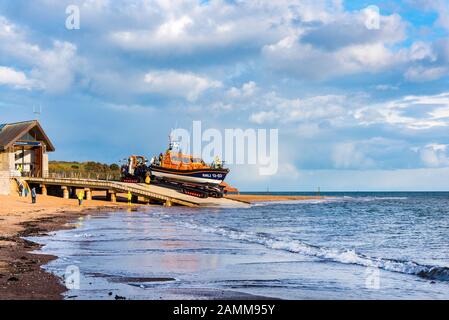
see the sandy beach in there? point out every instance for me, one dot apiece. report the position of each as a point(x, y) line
point(254, 198)
point(21, 276)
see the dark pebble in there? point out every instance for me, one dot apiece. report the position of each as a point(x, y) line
point(117, 297)
point(13, 279)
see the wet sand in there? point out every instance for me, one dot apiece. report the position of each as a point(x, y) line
point(21, 275)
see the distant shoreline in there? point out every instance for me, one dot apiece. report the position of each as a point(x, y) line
point(255, 198)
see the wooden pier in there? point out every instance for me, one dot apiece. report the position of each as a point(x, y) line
point(67, 187)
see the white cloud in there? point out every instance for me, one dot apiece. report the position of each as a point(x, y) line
point(56, 68)
point(440, 113)
point(247, 90)
point(440, 6)
point(435, 155)
point(423, 74)
point(347, 156)
point(308, 62)
point(17, 79)
point(386, 87)
point(53, 69)
point(192, 27)
point(421, 50)
point(312, 115)
point(187, 85)
point(369, 58)
point(443, 17)
point(248, 176)
point(308, 130)
point(133, 108)
point(284, 110)
point(436, 112)
point(263, 117)
point(174, 28)
point(343, 46)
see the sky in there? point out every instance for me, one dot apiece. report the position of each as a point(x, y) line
point(358, 106)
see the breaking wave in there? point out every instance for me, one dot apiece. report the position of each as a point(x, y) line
point(335, 255)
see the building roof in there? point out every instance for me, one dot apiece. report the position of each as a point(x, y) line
point(10, 133)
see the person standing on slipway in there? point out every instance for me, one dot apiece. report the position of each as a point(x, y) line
point(130, 198)
point(80, 197)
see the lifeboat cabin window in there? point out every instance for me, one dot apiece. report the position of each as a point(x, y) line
point(186, 160)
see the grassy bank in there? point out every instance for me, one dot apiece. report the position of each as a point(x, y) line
point(88, 170)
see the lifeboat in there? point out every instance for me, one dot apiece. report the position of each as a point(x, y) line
point(175, 166)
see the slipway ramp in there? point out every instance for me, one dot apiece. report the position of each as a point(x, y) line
point(151, 192)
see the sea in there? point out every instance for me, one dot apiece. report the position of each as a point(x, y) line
point(352, 245)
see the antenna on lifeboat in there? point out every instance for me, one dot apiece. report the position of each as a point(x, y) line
point(173, 144)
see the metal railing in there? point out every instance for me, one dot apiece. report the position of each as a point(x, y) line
point(119, 187)
point(84, 175)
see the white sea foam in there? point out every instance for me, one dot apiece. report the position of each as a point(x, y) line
point(340, 256)
point(83, 235)
point(379, 198)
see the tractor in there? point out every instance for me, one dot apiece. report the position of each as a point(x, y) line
point(135, 169)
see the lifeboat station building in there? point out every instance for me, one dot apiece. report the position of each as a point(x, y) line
point(24, 148)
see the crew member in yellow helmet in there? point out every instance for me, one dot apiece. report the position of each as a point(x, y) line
point(130, 197)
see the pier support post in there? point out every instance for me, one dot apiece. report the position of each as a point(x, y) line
point(167, 203)
point(88, 193)
point(112, 196)
point(65, 192)
point(43, 189)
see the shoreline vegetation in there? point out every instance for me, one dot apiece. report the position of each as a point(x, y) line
point(88, 170)
point(21, 273)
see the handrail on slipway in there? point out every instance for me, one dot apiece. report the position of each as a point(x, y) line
point(118, 187)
